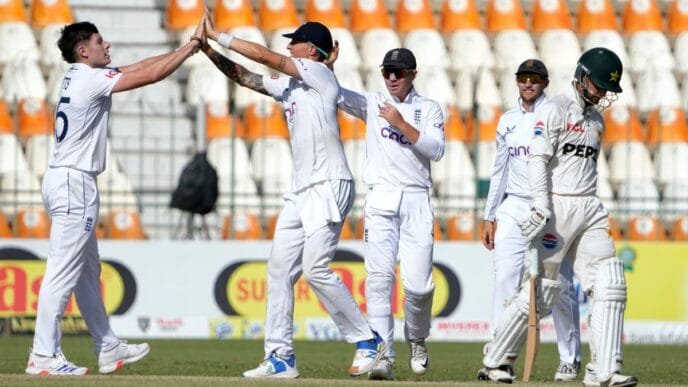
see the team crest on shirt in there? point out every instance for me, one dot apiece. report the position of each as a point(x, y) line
point(550, 241)
point(111, 73)
point(89, 224)
point(539, 128)
point(416, 117)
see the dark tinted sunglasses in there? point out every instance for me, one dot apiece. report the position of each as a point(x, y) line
point(398, 73)
point(533, 78)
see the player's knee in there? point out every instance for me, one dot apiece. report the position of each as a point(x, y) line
point(610, 281)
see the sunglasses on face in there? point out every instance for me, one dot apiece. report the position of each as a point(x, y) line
point(398, 73)
point(533, 78)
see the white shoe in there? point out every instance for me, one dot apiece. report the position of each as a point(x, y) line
point(368, 354)
point(112, 360)
point(384, 370)
point(56, 365)
point(503, 374)
point(617, 379)
point(274, 367)
point(419, 359)
point(567, 372)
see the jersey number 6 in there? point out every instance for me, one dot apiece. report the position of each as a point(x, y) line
point(65, 121)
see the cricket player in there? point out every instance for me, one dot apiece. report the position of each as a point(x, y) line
point(404, 132)
point(507, 202)
point(70, 195)
point(568, 221)
point(309, 224)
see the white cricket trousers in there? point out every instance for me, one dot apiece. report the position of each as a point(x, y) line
point(293, 253)
point(406, 233)
point(509, 267)
point(71, 199)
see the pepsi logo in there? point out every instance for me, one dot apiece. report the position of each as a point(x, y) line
point(549, 241)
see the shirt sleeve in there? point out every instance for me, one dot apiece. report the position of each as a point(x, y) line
point(546, 130)
point(103, 81)
point(275, 85)
point(317, 76)
point(431, 139)
point(353, 103)
point(500, 175)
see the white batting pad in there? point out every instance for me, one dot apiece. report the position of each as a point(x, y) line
point(606, 322)
point(417, 311)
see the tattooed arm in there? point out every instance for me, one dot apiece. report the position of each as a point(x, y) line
point(235, 71)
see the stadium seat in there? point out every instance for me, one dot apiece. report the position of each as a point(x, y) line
point(560, 78)
point(242, 226)
point(12, 11)
point(679, 229)
point(674, 203)
point(602, 167)
point(595, 15)
point(273, 15)
point(667, 124)
point(474, 41)
point(459, 15)
point(455, 168)
point(462, 227)
point(355, 151)
point(34, 118)
point(116, 191)
point(182, 14)
point(349, 78)
point(243, 97)
point(681, 53)
point(486, 92)
point(5, 231)
point(657, 87)
point(621, 124)
point(671, 162)
point(17, 44)
point(374, 44)
point(454, 128)
point(45, 12)
point(465, 93)
point(549, 15)
point(508, 90)
point(414, 15)
point(12, 158)
point(231, 14)
point(650, 49)
point(434, 83)
point(606, 194)
point(677, 14)
point(374, 82)
point(504, 15)
point(457, 193)
point(265, 119)
point(279, 43)
point(615, 229)
point(50, 53)
point(206, 84)
point(271, 156)
point(512, 47)
point(328, 12)
point(642, 15)
point(124, 225)
point(229, 156)
point(32, 223)
point(6, 125)
point(559, 48)
point(630, 160)
point(646, 228)
point(349, 58)
point(485, 152)
point(488, 118)
point(628, 97)
point(637, 197)
point(368, 14)
point(220, 123)
point(39, 149)
point(428, 48)
point(350, 127)
point(23, 79)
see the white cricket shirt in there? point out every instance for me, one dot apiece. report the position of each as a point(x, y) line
point(81, 118)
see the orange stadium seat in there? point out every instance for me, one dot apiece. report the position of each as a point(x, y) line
point(462, 227)
point(329, 13)
point(667, 124)
point(368, 14)
point(5, 231)
point(677, 14)
point(621, 124)
point(414, 15)
point(596, 15)
point(277, 14)
point(459, 15)
point(437, 230)
point(270, 225)
point(182, 14)
point(12, 11)
point(641, 16)
point(5, 119)
point(679, 230)
point(504, 15)
point(614, 229)
point(220, 123)
point(50, 12)
point(350, 127)
point(34, 118)
point(488, 118)
point(124, 225)
point(454, 129)
point(32, 223)
point(347, 231)
point(242, 226)
point(646, 228)
point(230, 14)
point(549, 15)
point(264, 119)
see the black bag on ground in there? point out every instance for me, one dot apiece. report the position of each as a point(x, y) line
point(197, 189)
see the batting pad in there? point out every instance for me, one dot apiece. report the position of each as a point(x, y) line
point(417, 311)
point(606, 322)
point(511, 332)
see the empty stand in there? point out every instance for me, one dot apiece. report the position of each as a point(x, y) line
point(413, 15)
point(34, 118)
point(606, 194)
point(50, 53)
point(21, 80)
point(231, 14)
point(657, 88)
point(434, 83)
point(124, 225)
point(6, 125)
point(5, 231)
point(630, 160)
point(350, 127)
point(243, 226)
point(182, 14)
point(621, 124)
point(273, 15)
point(681, 54)
point(677, 15)
point(559, 48)
point(508, 90)
point(454, 168)
point(504, 15)
point(220, 123)
point(646, 228)
point(39, 149)
point(116, 191)
point(667, 124)
point(641, 16)
point(17, 44)
point(674, 203)
point(637, 197)
point(650, 50)
point(462, 227)
point(671, 162)
point(46, 12)
point(349, 78)
point(454, 128)
point(428, 47)
point(265, 119)
point(348, 58)
point(459, 15)
point(549, 15)
point(12, 11)
point(32, 223)
point(374, 44)
point(475, 42)
point(512, 47)
point(328, 12)
point(206, 84)
point(679, 229)
point(12, 159)
point(271, 156)
point(368, 14)
point(595, 15)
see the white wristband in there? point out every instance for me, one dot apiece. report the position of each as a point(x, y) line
point(224, 39)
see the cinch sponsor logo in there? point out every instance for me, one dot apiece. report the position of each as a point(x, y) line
point(581, 150)
point(516, 151)
point(240, 289)
point(390, 133)
point(549, 241)
point(21, 273)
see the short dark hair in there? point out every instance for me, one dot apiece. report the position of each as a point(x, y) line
point(71, 35)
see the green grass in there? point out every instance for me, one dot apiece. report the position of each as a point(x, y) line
point(209, 363)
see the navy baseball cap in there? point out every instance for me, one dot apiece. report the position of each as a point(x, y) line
point(533, 66)
point(316, 34)
point(399, 58)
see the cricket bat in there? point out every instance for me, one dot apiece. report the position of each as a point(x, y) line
point(533, 337)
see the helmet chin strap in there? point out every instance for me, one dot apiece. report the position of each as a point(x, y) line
point(604, 102)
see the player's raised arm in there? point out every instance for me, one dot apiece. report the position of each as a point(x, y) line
point(235, 71)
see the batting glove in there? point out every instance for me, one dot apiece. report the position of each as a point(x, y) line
point(534, 223)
